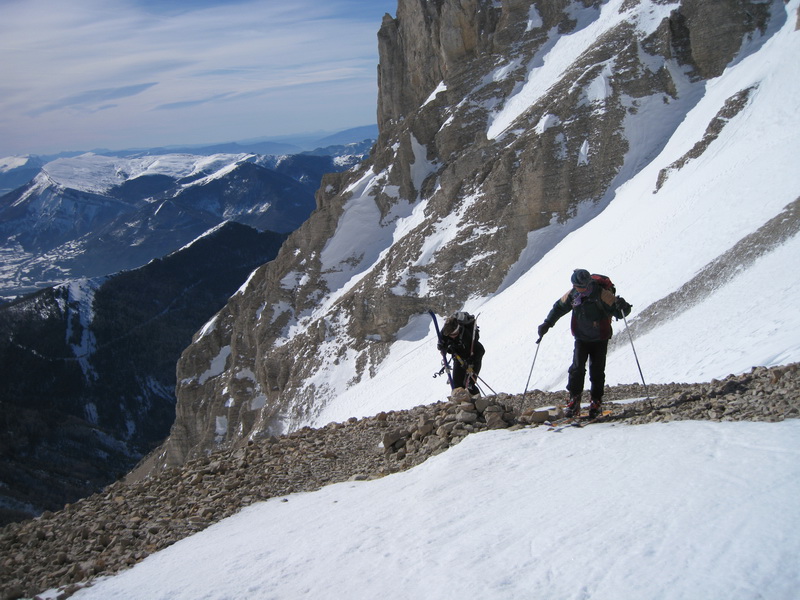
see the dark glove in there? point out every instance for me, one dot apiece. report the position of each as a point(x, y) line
point(543, 328)
point(444, 346)
point(622, 306)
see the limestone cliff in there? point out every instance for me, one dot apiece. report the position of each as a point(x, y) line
point(493, 146)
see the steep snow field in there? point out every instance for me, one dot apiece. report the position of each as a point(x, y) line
point(651, 243)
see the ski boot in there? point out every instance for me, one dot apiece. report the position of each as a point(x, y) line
point(573, 408)
point(594, 408)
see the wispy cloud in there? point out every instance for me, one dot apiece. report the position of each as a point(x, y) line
point(188, 103)
point(93, 98)
point(123, 62)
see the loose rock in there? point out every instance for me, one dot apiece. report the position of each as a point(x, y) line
point(117, 528)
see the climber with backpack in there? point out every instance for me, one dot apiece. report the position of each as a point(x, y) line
point(459, 337)
point(593, 301)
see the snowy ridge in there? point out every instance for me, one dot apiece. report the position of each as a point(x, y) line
point(12, 162)
point(97, 173)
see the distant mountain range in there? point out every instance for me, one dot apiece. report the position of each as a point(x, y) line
point(109, 264)
point(96, 214)
point(18, 170)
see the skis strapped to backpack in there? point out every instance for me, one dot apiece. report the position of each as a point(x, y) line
point(445, 363)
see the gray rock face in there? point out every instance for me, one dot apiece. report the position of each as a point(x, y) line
point(452, 148)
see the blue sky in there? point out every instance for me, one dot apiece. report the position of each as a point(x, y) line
point(120, 74)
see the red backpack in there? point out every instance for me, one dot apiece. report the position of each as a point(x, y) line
point(604, 282)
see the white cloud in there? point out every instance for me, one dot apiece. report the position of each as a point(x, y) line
point(92, 69)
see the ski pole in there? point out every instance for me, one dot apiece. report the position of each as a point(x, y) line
point(474, 379)
point(531, 371)
point(638, 366)
point(471, 373)
point(486, 384)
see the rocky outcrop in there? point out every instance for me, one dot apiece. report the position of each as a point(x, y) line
point(473, 143)
point(426, 44)
point(113, 530)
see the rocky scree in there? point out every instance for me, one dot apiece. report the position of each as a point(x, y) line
point(129, 520)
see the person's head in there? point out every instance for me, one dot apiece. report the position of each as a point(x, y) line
point(451, 328)
point(581, 278)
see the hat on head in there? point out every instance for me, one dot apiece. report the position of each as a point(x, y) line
point(581, 278)
point(450, 327)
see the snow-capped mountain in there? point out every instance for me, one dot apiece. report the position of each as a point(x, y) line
point(92, 214)
point(652, 141)
point(90, 362)
point(17, 170)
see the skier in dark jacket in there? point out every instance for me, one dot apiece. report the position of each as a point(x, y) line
point(459, 337)
point(592, 307)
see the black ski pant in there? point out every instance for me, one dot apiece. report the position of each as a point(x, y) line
point(460, 376)
point(460, 371)
point(595, 353)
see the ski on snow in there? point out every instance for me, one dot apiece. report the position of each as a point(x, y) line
point(579, 421)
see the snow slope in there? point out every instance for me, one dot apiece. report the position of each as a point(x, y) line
point(651, 241)
point(683, 510)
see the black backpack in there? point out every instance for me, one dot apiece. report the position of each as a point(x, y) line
point(464, 318)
